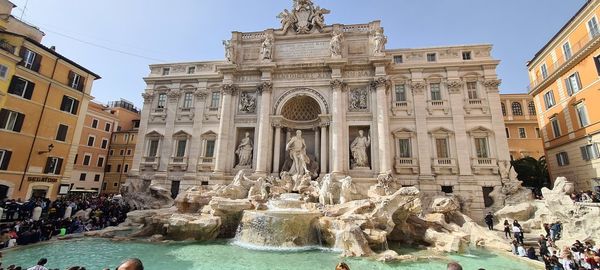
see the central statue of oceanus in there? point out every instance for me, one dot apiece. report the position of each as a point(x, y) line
point(297, 150)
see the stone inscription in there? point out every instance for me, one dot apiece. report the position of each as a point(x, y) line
point(303, 49)
point(302, 76)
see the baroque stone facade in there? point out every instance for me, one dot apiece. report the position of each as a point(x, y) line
point(431, 117)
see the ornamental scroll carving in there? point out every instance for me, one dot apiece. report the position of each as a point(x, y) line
point(229, 89)
point(265, 87)
point(492, 85)
point(418, 87)
point(148, 96)
point(359, 100)
point(455, 86)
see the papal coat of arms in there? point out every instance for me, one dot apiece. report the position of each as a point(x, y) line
point(304, 17)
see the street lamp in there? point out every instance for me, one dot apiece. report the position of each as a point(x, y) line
point(50, 147)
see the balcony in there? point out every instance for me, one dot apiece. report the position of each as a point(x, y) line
point(406, 165)
point(475, 104)
point(151, 162)
point(5, 46)
point(178, 163)
point(401, 108)
point(438, 105)
point(185, 114)
point(578, 50)
point(482, 165)
point(158, 115)
point(444, 166)
point(206, 164)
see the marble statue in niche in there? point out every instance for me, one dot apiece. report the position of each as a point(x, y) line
point(359, 150)
point(247, 103)
point(359, 100)
point(266, 49)
point(244, 151)
point(297, 150)
point(335, 45)
point(379, 41)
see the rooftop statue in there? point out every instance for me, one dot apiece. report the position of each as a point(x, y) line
point(304, 17)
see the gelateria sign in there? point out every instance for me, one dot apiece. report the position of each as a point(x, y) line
point(38, 179)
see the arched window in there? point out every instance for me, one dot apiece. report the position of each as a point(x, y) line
point(503, 108)
point(531, 108)
point(517, 109)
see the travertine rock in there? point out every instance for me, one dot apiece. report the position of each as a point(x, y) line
point(445, 205)
point(522, 211)
point(199, 228)
point(192, 200)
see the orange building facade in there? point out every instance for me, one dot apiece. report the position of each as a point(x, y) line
point(565, 80)
point(522, 130)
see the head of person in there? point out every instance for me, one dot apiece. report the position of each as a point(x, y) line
point(454, 266)
point(42, 261)
point(131, 264)
point(342, 266)
point(360, 133)
point(298, 133)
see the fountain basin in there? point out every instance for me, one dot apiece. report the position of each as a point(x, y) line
point(279, 228)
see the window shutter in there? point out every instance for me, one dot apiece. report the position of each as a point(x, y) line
point(22, 53)
point(75, 106)
point(579, 86)
point(48, 162)
point(63, 104)
point(3, 118)
point(81, 84)
point(19, 122)
point(58, 166)
point(597, 62)
point(596, 152)
point(13, 82)
point(36, 62)
point(71, 77)
point(584, 154)
point(29, 90)
point(6, 160)
point(569, 89)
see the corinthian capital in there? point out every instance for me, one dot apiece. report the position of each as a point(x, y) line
point(200, 94)
point(492, 85)
point(266, 87)
point(455, 86)
point(337, 85)
point(380, 82)
point(173, 93)
point(229, 89)
point(148, 96)
point(417, 87)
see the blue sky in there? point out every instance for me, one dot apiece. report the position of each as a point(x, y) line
point(142, 32)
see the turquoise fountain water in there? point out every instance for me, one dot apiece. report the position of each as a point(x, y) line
point(99, 254)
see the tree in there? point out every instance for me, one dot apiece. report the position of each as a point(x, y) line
point(532, 172)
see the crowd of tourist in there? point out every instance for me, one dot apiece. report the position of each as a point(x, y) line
point(129, 264)
point(21, 226)
point(586, 196)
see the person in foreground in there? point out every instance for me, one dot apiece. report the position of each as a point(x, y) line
point(131, 264)
point(40, 265)
point(342, 266)
point(454, 266)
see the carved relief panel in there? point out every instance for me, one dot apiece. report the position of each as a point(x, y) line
point(358, 100)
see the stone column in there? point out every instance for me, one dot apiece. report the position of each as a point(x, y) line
point(323, 155)
point(228, 91)
point(166, 150)
point(381, 86)
point(462, 140)
point(140, 146)
point(196, 141)
point(423, 142)
point(497, 119)
point(264, 128)
point(317, 143)
point(337, 127)
point(277, 148)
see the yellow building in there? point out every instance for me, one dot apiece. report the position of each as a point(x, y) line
point(564, 83)
point(122, 146)
point(522, 130)
point(46, 97)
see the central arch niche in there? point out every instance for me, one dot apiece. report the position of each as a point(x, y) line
point(301, 108)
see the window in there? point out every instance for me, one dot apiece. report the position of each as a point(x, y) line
point(503, 107)
point(191, 70)
point(125, 168)
point(21, 87)
point(107, 127)
point(126, 138)
point(400, 93)
point(82, 177)
point(187, 100)
point(95, 123)
point(97, 178)
point(136, 123)
point(582, 115)
point(590, 152)
point(53, 165)
point(567, 50)
point(398, 59)
point(573, 83)
point(122, 152)
point(181, 145)
point(466, 55)
point(76, 81)
point(537, 133)
point(593, 27)
point(152, 148)
point(69, 105)
point(76, 157)
point(90, 141)
point(129, 152)
point(118, 168)
point(162, 101)
point(436, 93)
point(562, 158)
point(441, 146)
point(111, 152)
point(210, 148)
point(166, 71)
point(507, 133)
point(3, 72)
point(472, 90)
point(481, 147)
point(522, 133)
point(447, 189)
point(531, 108)
point(104, 144)
point(100, 162)
point(555, 127)
point(86, 160)
point(107, 168)
point(544, 71)
point(215, 98)
point(597, 62)
point(5, 159)
point(405, 148)
point(30, 59)
point(10, 120)
point(431, 57)
point(517, 109)
point(61, 134)
point(549, 99)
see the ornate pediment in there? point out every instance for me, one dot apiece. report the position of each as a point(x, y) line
point(304, 18)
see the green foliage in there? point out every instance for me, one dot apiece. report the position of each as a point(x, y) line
point(532, 172)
